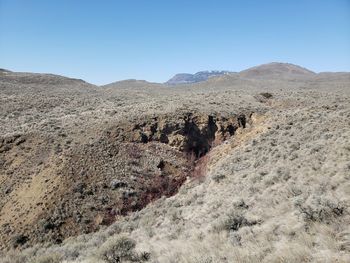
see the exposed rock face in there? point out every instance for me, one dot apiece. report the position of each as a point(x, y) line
point(126, 167)
point(187, 132)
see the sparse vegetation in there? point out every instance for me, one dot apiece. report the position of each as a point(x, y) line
point(52, 258)
point(122, 249)
point(266, 95)
point(321, 209)
point(235, 221)
point(273, 186)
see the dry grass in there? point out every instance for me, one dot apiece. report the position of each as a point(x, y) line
point(276, 192)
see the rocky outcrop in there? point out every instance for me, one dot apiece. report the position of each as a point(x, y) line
point(126, 167)
point(187, 132)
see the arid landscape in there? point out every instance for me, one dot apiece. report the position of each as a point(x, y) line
point(249, 166)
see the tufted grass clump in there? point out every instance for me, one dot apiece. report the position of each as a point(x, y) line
point(122, 249)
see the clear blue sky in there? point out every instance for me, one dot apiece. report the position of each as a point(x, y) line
point(104, 41)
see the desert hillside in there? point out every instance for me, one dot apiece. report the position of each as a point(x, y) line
point(252, 166)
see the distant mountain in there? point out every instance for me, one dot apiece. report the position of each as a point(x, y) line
point(276, 69)
point(27, 78)
point(2, 70)
point(186, 78)
point(131, 83)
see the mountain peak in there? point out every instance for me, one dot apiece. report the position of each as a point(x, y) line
point(276, 69)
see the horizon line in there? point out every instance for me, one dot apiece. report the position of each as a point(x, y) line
point(173, 75)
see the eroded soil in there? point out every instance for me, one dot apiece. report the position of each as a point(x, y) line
point(127, 166)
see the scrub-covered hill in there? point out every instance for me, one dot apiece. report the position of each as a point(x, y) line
point(233, 169)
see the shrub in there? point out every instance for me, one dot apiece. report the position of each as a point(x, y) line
point(320, 209)
point(266, 95)
point(234, 222)
point(19, 240)
point(263, 97)
point(122, 249)
point(218, 177)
